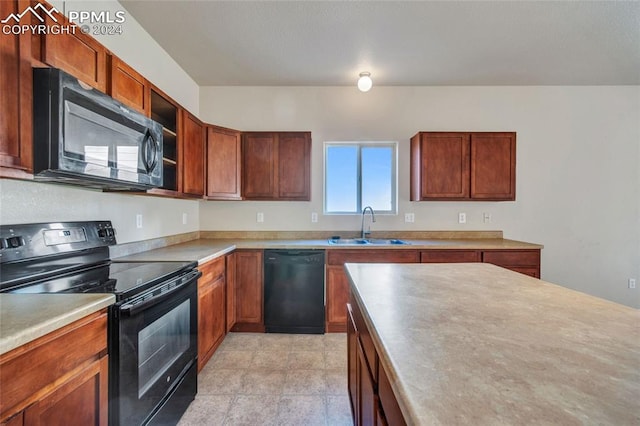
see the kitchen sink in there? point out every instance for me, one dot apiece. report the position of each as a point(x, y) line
point(361, 241)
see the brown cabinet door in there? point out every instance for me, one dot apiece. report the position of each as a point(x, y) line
point(352, 364)
point(82, 400)
point(440, 166)
point(392, 413)
point(78, 54)
point(450, 256)
point(368, 400)
point(16, 87)
point(192, 157)
point(337, 288)
point(129, 87)
point(259, 159)
point(211, 309)
point(249, 291)
point(223, 163)
point(231, 290)
point(294, 163)
point(493, 166)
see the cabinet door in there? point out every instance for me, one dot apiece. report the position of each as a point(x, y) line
point(336, 299)
point(16, 86)
point(392, 413)
point(211, 309)
point(82, 400)
point(129, 87)
point(78, 54)
point(259, 158)
point(367, 412)
point(294, 163)
point(249, 291)
point(493, 166)
point(192, 158)
point(223, 163)
point(231, 290)
point(352, 364)
point(439, 166)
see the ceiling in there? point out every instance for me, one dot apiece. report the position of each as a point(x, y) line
point(402, 43)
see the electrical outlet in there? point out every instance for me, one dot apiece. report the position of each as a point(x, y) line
point(184, 218)
point(314, 217)
point(486, 217)
point(260, 217)
point(632, 283)
point(462, 218)
point(139, 221)
point(409, 217)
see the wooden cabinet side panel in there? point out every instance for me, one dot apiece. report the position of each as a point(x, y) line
point(249, 287)
point(223, 164)
point(192, 156)
point(259, 157)
point(352, 364)
point(78, 54)
point(231, 290)
point(337, 296)
point(445, 165)
point(493, 166)
point(294, 166)
point(368, 399)
point(129, 87)
point(415, 168)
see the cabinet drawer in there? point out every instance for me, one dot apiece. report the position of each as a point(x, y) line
point(27, 372)
point(211, 271)
point(449, 256)
point(512, 257)
point(340, 257)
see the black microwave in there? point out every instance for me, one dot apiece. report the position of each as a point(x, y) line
point(82, 136)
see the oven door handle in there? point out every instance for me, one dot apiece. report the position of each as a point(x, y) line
point(168, 289)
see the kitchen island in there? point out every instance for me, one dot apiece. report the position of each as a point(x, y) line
point(479, 344)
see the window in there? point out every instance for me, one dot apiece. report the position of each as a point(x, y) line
point(360, 174)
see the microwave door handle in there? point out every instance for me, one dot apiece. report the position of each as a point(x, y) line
point(149, 146)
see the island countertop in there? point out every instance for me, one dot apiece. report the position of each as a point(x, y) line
point(479, 344)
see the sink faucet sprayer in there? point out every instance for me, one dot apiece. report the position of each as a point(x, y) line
point(373, 219)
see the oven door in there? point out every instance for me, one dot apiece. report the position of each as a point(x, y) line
point(153, 348)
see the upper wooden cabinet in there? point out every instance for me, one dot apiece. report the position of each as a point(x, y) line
point(193, 147)
point(224, 160)
point(76, 53)
point(16, 87)
point(276, 166)
point(166, 111)
point(129, 86)
point(463, 166)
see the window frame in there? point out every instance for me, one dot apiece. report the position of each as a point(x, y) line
point(394, 176)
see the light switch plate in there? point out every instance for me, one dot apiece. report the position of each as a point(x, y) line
point(462, 218)
point(260, 217)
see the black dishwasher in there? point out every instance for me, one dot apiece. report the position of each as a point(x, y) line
point(294, 291)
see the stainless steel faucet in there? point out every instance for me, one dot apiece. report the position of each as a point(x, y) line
point(373, 219)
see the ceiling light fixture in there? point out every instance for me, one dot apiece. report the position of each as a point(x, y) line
point(365, 82)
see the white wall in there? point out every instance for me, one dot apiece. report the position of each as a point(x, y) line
point(27, 202)
point(136, 47)
point(578, 183)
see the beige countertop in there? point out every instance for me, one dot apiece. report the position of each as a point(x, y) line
point(203, 250)
point(478, 344)
point(26, 317)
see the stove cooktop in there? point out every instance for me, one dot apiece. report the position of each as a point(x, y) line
point(121, 279)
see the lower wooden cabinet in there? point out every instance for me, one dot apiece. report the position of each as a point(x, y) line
point(337, 283)
point(249, 291)
point(372, 400)
point(211, 309)
point(524, 261)
point(58, 379)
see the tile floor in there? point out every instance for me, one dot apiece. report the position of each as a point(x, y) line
point(274, 379)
